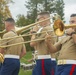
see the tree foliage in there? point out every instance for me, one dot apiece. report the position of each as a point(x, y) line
point(53, 6)
point(4, 11)
point(59, 8)
point(33, 7)
point(23, 21)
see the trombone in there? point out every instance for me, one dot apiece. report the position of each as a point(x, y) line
point(21, 43)
point(59, 27)
point(24, 42)
point(24, 35)
point(19, 30)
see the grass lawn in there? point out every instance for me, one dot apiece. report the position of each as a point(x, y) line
point(26, 57)
point(24, 60)
point(22, 72)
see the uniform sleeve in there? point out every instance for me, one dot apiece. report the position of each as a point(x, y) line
point(4, 42)
point(58, 45)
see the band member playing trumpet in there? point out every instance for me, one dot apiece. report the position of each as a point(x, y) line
point(12, 54)
point(66, 64)
point(43, 58)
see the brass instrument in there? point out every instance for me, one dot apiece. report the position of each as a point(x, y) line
point(24, 35)
point(28, 26)
point(21, 43)
point(1, 56)
point(59, 27)
point(26, 41)
point(19, 30)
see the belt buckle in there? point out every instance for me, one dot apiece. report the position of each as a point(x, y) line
point(64, 61)
point(61, 62)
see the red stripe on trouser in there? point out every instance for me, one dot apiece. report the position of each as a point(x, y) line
point(72, 70)
point(43, 70)
point(52, 71)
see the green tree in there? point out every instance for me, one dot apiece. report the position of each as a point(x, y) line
point(23, 21)
point(32, 6)
point(49, 5)
point(53, 6)
point(60, 8)
point(4, 11)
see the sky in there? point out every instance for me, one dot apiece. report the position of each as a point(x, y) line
point(19, 8)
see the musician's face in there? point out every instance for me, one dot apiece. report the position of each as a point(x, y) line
point(40, 18)
point(6, 25)
point(73, 20)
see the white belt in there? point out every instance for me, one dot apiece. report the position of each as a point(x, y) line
point(11, 56)
point(53, 59)
point(61, 62)
point(44, 56)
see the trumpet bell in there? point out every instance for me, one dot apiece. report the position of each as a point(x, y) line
point(58, 27)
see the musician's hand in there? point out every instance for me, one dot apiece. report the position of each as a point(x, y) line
point(69, 31)
point(48, 38)
point(35, 29)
